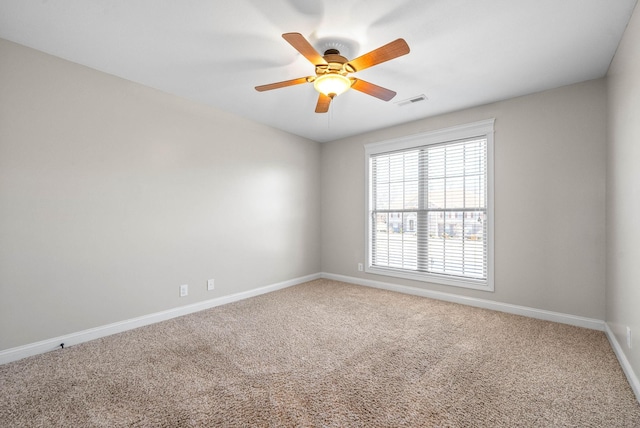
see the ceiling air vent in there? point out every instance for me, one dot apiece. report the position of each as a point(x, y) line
point(412, 100)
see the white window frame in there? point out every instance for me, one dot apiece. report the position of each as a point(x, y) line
point(483, 129)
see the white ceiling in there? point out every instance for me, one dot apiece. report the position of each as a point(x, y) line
point(463, 52)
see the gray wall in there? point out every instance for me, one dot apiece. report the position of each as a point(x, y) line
point(113, 194)
point(623, 193)
point(549, 199)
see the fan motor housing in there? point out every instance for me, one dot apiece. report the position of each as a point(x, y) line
point(335, 63)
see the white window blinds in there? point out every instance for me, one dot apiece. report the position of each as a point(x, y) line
point(428, 208)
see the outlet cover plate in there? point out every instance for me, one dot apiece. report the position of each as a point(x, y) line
point(184, 290)
point(210, 284)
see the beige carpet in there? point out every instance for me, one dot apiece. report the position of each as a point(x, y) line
point(329, 354)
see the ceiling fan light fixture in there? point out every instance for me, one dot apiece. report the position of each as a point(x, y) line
point(332, 84)
point(332, 70)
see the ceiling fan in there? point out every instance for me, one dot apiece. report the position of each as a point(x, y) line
point(332, 70)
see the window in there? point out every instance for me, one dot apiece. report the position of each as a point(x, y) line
point(430, 206)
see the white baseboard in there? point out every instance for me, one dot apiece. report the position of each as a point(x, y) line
point(590, 323)
point(624, 362)
point(47, 345)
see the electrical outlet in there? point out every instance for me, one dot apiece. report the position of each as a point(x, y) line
point(628, 337)
point(184, 290)
point(210, 284)
point(360, 267)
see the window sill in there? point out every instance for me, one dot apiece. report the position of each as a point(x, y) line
point(483, 285)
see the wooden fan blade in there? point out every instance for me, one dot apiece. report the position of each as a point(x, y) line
point(323, 104)
point(373, 90)
point(277, 85)
point(301, 44)
point(383, 53)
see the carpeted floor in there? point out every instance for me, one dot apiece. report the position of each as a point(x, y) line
point(329, 354)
